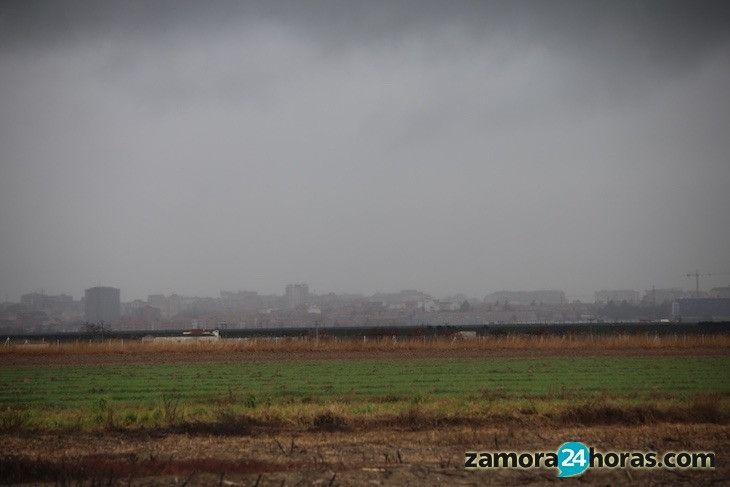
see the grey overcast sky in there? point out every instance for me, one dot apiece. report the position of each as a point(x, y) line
point(363, 146)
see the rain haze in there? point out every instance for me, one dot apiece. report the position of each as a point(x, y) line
point(363, 146)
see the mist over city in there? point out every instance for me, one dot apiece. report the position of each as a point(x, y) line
point(454, 151)
point(176, 147)
point(374, 242)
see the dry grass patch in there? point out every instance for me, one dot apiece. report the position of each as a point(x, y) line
point(514, 342)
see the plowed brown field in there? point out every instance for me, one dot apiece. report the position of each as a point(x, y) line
point(381, 457)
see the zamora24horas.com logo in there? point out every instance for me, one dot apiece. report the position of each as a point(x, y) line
point(574, 457)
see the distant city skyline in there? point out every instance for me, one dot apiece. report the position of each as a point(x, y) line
point(296, 306)
point(586, 296)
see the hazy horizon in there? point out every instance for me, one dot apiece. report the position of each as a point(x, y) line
point(460, 147)
point(587, 297)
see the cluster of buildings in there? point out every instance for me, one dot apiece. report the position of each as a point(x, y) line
point(684, 305)
point(297, 306)
point(650, 296)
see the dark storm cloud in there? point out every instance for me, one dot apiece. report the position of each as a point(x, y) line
point(671, 31)
point(453, 146)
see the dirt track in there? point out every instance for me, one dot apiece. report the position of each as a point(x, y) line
point(383, 457)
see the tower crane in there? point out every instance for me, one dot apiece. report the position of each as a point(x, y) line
point(698, 274)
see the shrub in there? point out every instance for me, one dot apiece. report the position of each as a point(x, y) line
point(12, 420)
point(329, 421)
point(170, 411)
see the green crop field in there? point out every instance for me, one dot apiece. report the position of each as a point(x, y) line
point(67, 390)
point(74, 385)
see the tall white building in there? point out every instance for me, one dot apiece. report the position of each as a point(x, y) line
point(296, 295)
point(101, 305)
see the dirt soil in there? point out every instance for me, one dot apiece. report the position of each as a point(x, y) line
point(378, 457)
point(7, 360)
